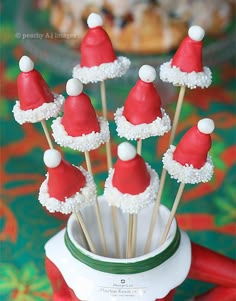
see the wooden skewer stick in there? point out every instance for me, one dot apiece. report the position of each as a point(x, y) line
point(88, 162)
point(46, 132)
point(104, 100)
point(177, 113)
point(129, 236)
point(104, 112)
point(139, 146)
point(116, 233)
point(155, 211)
point(85, 231)
point(109, 156)
point(164, 172)
point(173, 212)
point(97, 208)
point(82, 233)
point(134, 235)
point(135, 216)
point(109, 166)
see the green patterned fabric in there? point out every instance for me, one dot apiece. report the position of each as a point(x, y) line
point(207, 211)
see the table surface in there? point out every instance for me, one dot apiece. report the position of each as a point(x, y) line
point(207, 211)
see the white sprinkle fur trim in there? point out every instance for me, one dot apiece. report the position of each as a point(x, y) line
point(45, 111)
point(129, 203)
point(191, 80)
point(125, 129)
point(187, 174)
point(85, 197)
point(81, 143)
point(102, 72)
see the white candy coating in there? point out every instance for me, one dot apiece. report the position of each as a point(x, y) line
point(126, 151)
point(147, 73)
point(74, 87)
point(206, 125)
point(94, 20)
point(26, 64)
point(52, 158)
point(196, 33)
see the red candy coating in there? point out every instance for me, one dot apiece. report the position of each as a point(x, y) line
point(193, 148)
point(64, 181)
point(79, 116)
point(143, 104)
point(131, 176)
point(33, 91)
point(188, 57)
point(96, 48)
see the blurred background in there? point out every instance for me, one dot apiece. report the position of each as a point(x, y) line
point(148, 33)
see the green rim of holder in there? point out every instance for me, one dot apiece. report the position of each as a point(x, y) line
point(114, 267)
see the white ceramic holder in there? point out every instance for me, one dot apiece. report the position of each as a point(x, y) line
point(145, 277)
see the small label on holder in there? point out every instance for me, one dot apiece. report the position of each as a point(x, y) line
point(122, 290)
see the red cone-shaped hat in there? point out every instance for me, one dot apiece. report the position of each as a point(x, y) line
point(96, 47)
point(188, 57)
point(79, 115)
point(195, 145)
point(33, 91)
point(64, 179)
point(143, 104)
point(130, 172)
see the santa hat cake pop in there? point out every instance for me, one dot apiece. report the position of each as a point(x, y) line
point(189, 162)
point(131, 184)
point(79, 128)
point(186, 69)
point(36, 101)
point(66, 188)
point(142, 115)
point(98, 59)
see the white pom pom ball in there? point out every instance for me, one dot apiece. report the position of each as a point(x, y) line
point(206, 126)
point(196, 33)
point(74, 87)
point(52, 158)
point(26, 64)
point(147, 73)
point(94, 20)
point(126, 151)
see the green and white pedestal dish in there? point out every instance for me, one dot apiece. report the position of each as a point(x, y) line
point(98, 278)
